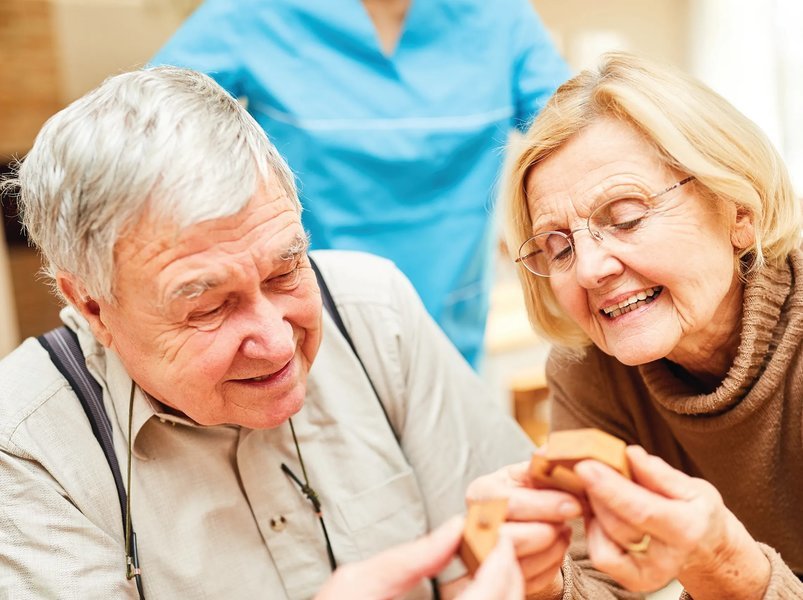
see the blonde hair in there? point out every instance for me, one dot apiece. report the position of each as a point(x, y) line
point(696, 131)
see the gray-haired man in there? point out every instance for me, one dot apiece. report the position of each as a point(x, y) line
point(171, 227)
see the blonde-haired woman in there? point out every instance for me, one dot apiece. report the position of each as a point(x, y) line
point(657, 235)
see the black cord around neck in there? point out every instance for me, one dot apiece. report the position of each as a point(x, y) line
point(311, 495)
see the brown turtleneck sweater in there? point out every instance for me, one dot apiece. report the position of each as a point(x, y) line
point(745, 437)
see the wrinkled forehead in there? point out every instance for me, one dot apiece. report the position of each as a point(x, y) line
point(606, 155)
point(268, 229)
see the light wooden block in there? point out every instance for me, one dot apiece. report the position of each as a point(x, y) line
point(481, 531)
point(554, 468)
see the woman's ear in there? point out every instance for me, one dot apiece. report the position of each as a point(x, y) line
point(75, 293)
point(743, 233)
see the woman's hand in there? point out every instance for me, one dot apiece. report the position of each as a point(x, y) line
point(675, 526)
point(391, 573)
point(536, 522)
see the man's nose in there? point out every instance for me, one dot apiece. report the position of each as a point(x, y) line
point(593, 261)
point(267, 335)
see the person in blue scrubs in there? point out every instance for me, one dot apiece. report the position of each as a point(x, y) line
point(396, 133)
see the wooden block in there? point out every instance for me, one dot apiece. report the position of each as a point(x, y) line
point(481, 531)
point(564, 449)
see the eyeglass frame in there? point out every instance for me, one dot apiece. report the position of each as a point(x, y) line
point(596, 235)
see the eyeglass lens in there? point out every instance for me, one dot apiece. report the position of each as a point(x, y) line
point(619, 219)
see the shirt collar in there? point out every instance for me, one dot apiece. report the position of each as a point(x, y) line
point(106, 367)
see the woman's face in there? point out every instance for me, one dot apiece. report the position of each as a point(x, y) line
point(668, 288)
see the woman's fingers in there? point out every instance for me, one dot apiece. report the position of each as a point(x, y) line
point(644, 532)
point(526, 504)
point(536, 523)
point(540, 548)
point(499, 576)
point(620, 531)
point(640, 508)
point(655, 474)
point(540, 569)
point(532, 538)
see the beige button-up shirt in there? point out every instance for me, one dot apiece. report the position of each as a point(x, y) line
point(214, 514)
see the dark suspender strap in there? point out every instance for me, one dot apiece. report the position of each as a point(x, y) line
point(65, 352)
point(329, 305)
point(331, 308)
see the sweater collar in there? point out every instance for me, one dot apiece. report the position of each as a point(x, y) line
point(766, 343)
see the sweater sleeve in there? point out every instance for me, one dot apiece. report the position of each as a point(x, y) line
point(581, 581)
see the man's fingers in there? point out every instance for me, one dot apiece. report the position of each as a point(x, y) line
point(399, 568)
point(405, 565)
point(498, 484)
point(425, 556)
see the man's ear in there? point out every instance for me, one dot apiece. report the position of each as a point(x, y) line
point(75, 293)
point(742, 230)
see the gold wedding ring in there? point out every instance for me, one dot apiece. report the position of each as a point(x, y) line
point(639, 547)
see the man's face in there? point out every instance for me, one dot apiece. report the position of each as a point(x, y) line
point(222, 319)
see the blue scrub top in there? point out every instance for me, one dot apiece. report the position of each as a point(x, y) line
point(396, 155)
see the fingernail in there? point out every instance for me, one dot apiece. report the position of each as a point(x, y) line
point(588, 470)
point(569, 510)
point(637, 450)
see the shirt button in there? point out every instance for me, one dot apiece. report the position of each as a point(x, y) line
point(278, 523)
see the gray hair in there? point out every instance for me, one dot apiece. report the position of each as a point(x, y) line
point(166, 141)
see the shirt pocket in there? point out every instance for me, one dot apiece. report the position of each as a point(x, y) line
point(385, 515)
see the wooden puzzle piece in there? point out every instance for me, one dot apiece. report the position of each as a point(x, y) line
point(554, 468)
point(481, 531)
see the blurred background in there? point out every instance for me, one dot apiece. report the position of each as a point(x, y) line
point(52, 51)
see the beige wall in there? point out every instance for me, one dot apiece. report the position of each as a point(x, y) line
point(98, 38)
point(28, 76)
point(9, 333)
point(585, 28)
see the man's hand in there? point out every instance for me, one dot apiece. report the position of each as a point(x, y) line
point(536, 522)
point(393, 572)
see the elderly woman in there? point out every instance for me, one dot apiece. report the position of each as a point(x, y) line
point(657, 235)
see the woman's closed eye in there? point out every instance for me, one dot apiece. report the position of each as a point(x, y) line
point(621, 215)
point(558, 248)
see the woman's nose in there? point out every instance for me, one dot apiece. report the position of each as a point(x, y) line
point(593, 261)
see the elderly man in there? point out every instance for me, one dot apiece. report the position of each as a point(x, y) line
point(171, 227)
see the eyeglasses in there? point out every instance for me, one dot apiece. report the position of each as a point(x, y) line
point(621, 218)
